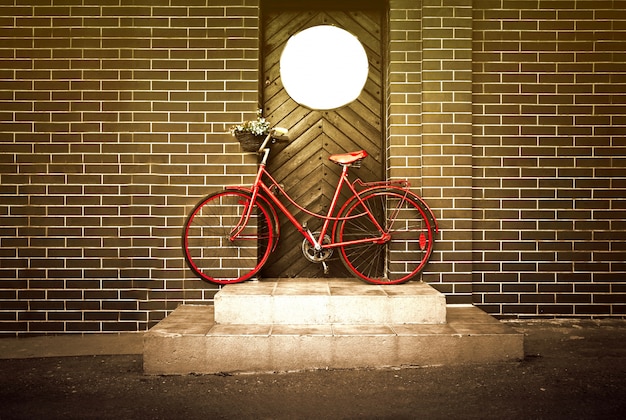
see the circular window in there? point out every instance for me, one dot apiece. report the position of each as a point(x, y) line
point(323, 67)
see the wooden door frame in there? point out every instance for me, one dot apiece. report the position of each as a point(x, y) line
point(381, 5)
point(379, 61)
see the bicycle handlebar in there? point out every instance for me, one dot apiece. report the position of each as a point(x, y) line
point(281, 134)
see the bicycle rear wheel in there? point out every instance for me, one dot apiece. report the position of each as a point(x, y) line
point(404, 255)
point(207, 243)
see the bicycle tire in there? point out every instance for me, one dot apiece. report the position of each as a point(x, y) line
point(207, 243)
point(401, 258)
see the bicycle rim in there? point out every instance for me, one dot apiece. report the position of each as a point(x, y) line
point(404, 255)
point(207, 243)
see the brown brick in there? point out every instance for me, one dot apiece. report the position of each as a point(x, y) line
point(113, 141)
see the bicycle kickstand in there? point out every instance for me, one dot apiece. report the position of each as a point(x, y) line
point(326, 270)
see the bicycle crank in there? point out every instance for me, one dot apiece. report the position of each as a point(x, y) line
point(317, 256)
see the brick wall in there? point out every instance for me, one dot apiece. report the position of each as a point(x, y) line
point(509, 117)
point(404, 91)
point(429, 127)
point(549, 157)
point(113, 123)
point(447, 140)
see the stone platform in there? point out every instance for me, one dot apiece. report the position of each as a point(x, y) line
point(335, 301)
point(190, 340)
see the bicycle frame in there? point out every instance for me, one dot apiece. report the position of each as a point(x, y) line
point(383, 232)
point(260, 186)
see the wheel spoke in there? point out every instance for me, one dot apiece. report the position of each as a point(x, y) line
point(404, 255)
point(212, 248)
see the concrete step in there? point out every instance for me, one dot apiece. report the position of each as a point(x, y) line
point(189, 341)
point(328, 301)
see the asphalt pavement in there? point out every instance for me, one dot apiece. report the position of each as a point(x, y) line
point(572, 369)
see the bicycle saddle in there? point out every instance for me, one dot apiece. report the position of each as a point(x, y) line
point(348, 158)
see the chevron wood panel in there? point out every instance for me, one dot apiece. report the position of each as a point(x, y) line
point(303, 165)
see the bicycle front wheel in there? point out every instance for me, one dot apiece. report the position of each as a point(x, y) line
point(212, 249)
point(400, 258)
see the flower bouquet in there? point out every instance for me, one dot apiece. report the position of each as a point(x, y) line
point(251, 134)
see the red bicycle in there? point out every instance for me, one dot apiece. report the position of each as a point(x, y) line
point(383, 232)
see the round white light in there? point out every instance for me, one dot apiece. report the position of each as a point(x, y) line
point(323, 67)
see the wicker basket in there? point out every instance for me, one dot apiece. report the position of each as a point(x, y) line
point(249, 142)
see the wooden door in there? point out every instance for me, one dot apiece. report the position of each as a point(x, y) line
point(303, 166)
